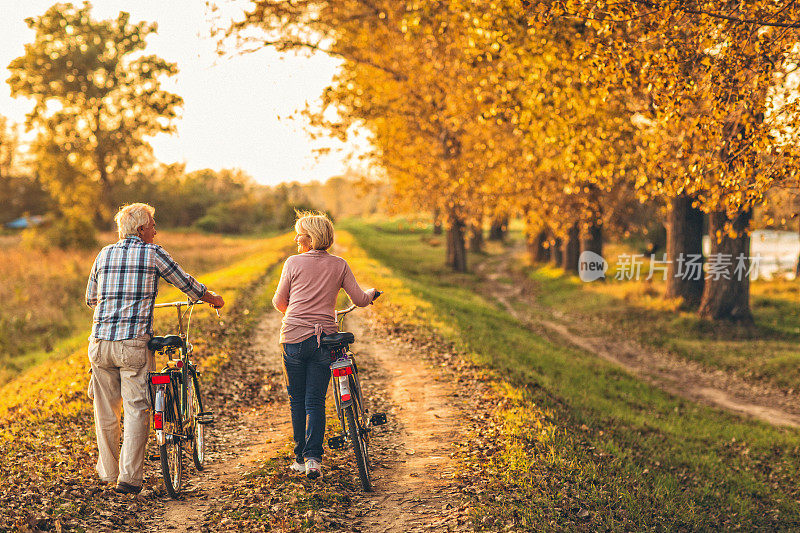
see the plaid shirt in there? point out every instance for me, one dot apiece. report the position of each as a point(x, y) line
point(123, 286)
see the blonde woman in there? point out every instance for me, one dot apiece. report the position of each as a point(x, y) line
point(306, 295)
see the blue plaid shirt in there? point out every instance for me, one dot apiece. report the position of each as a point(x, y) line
point(123, 286)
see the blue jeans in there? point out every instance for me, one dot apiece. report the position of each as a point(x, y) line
point(308, 370)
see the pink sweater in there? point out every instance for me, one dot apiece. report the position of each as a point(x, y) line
point(307, 293)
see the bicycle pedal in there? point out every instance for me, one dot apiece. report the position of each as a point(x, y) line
point(206, 418)
point(337, 442)
point(378, 419)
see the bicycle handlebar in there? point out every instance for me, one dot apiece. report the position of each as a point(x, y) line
point(186, 302)
point(342, 312)
point(175, 304)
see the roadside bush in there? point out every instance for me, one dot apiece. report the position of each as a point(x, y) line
point(243, 215)
point(67, 231)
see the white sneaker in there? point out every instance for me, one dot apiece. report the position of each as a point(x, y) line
point(300, 468)
point(313, 469)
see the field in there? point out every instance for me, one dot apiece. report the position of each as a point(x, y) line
point(46, 416)
point(43, 292)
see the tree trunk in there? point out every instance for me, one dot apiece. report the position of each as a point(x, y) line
point(684, 248)
point(593, 242)
point(538, 252)
point(497, 232)
point(476, 238)
point(437, 222)
point(456, 246)
point(556, 253)
point(572, 249)
point(728, 299)
point(103, 207)
point(797, 267)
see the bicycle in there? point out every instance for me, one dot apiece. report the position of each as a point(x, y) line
point(356, 426)
point(178, 414)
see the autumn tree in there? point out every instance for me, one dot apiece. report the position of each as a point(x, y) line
point(406, 79)
point(570, 108)
point(711, 87)
point(571, 151)
point(96, 99)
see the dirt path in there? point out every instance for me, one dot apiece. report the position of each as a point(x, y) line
point(251, 423)
point(413, 475)
point(669, 372)
point(414, 490)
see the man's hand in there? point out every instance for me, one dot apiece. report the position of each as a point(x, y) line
point(213, 299)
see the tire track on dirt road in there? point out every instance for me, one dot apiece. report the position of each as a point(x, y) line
point(415, 488)
point(680, 377)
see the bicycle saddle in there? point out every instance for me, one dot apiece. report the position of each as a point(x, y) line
point(337, 339)
point(159, 343)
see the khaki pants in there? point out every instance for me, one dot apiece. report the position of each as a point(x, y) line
point(119, 379)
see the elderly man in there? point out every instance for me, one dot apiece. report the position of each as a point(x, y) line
point(122, 289)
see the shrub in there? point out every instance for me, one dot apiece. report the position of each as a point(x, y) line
point(74, 230)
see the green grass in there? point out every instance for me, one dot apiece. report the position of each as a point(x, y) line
point(635, 309)
point(585, 445)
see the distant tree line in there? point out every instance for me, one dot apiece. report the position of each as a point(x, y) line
point(230, 201)
point(224, 201)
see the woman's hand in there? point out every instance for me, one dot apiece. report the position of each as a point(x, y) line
point(375, 297)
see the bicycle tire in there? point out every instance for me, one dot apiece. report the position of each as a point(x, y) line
point(360, 448)
point(172, 451)
point(198, 430)
point(355, 388)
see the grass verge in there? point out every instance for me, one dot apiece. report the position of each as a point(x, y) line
point(636, 309)
point(578, 443)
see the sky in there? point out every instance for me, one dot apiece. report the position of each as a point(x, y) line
point(236, 108)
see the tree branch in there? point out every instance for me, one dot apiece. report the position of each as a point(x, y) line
point(726, 17)
point(348, 57)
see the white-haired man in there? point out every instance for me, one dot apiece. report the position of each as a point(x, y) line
point(122, 289)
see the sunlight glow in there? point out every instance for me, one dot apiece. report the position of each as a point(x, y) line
point(236, 110)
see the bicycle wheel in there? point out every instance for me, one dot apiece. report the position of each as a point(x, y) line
point(198, 430)
point(360, 447)
point(358, 402)
point(171, 451)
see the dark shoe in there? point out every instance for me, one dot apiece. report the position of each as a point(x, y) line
point(126, 488)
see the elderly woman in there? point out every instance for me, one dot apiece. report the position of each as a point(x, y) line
point(306, 294)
